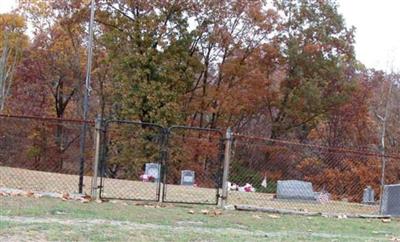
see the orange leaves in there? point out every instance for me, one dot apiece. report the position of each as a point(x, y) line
point(342, 177)
point(312, 48)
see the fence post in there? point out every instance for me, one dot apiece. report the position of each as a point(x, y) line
point(164, 157)
point(98, 131)
point(227, 158)
point(382, 185)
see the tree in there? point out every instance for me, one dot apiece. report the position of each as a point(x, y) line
point(55, 62)
point(12, 27)
point(318, 54)
point(147, 45)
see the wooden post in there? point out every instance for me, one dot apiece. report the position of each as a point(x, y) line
point(227, 158)
point(98, 131)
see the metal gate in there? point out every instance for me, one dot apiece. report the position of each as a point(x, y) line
point(147, 162)
point(193, 169)
point(128, 147)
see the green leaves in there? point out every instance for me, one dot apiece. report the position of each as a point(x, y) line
point(149, 50)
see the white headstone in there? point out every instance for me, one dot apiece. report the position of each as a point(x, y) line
point(368, 195)
point(391, 200)
point(153, 169)
point(187, 177)
point(294, 189)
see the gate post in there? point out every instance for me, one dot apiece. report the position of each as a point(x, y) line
point(98, 131)
point(164, 157)
point(227, 158)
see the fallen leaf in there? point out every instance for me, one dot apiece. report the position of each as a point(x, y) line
point(30, 194)
point(273, 216)
point(217, 212)
point(65, 196)
point(204, 211)
point(256, 216)
point(386, 220)
point(191, 211)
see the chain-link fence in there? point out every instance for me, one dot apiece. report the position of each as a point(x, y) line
point(293, 176)
point(140, 161)
point(43, 154)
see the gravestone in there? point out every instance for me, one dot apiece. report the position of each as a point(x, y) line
point(187, 177)
point(294, 189)
point(391, 200)
point(368, 195)
point(153, 169)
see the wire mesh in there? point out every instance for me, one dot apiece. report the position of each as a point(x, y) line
point(285, 175)
point(42, 154)
point(129, 148)
point(184, 164)
point(193, 167)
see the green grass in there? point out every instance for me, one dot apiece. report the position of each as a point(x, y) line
point(52, 219)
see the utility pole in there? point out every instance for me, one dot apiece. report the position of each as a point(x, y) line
point(86, 98)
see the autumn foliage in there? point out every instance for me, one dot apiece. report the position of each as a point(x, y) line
point(282, 70)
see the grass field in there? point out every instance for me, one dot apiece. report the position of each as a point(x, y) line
point(43, 219)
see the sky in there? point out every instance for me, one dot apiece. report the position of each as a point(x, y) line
point(377, 30)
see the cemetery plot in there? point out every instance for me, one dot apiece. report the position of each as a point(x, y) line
point(126, 189)
point(306, 176)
